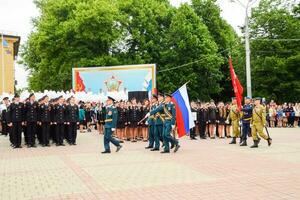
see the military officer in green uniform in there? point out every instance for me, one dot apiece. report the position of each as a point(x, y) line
point(169, 119)
point(151, 126)
point(234, 116)
point(158, 120)
point(258, 122)
point(110, 126)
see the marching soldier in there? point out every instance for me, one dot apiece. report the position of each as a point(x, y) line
point(31, 117)
point(72, 118)
point(168, 108)
point(258, 122)
point(158, 130)
point(246, 118)
point(234, 116)
point(15, 119)
point(151, 126)
point(59, 121)
point(110, 126)
point(45, 120)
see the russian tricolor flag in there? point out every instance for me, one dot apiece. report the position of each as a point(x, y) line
point(184, 117)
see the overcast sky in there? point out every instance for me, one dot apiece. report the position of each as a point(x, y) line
point(16, 15)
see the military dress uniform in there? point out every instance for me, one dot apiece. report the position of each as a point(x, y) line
point(31, 117)
point(258, 122)
point(151, 129)
point(169, 119)
point(158, 128)
point(246, 119)
point(15, 116)
point(72, 118)
point(109, 127)
point(45, 119)
point(60, 119)
point(234, 116)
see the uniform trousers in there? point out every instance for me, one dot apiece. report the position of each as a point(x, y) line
point(72, 132)
point(258, 128)
point(235, 128)
point(45, 132)
point(31, 132)
point(60, 129)
point(151, 130)
point(167, 137)
point(108, 138)
point(158, 132)
point(16, 133)
point(246, 130)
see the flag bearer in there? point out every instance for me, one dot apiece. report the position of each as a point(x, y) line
point(234, 116)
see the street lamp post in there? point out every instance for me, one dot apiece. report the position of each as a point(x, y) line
point(247, 45)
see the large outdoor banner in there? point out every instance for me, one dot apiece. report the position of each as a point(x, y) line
point(117, 79)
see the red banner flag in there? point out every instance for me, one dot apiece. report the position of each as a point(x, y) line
point(237, 87)
point(79, 87)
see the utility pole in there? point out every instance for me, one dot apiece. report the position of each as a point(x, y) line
point(247, 45)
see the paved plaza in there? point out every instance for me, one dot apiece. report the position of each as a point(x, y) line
point(201, 169)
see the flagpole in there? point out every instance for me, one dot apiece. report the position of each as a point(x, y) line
point(181, 87)
point(3, 82)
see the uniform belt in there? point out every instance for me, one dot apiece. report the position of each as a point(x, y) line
point(247, 119)
point(168, 118)
point(108, 120)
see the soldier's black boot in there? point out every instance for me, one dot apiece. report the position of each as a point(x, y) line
point(258, 141)
point(241, 140)
point(233, 141)
point(269, 141)
point(255, 145)
point(243, 143)
point(118, 148)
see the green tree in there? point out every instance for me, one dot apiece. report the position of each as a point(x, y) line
point(275, 49)
point(68, 34)
point(226, 39)
point(188, 40)
point(74, 33)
